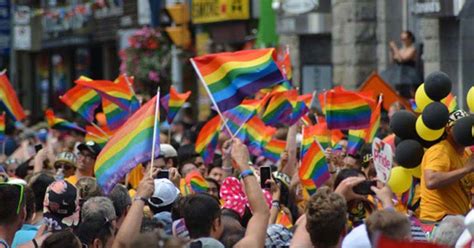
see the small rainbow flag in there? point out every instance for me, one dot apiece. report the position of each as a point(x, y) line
point(300, 109)
point(451, 102)
point(256, 135)
point(281, 87)
point(355, 140)
point(274, 149)
point(346, 110)
point(371, 132)
point(238, 116)
point(314, 165)
point(284, 220)
point(9, 100)
point(61, 124)
point(131, 145)
point(309, 186)
point(2, 127)
point(320, 132)
point(196, 182)
point(94, 134)
point(119, 91)
point(206, 142)
point(82, 100)
point(231, 77)
point(173, 102)
point(280, 107)
point(284, 65)
point(114, 115)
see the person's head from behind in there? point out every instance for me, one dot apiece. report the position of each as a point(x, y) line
point(233, 231)
point(61, 206)
point(98, 208)
point(186, 168)
point(164, 196)
point(96, 232)
point(39, 183)
point(30, 204)
point(202, 215)
point(62, 239)
point(326, 218)
point(407, 37)
point(122, 202)
point(449, 230)
point(87, 188)
point(390, 224)
point(12, 207)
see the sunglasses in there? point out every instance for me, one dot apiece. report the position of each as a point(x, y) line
point(62, 166)
point(22, 190)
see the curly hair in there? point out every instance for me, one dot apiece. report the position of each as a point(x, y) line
point(326, 217)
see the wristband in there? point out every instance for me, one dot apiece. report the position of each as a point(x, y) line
point(246, 173)
point(276, 205)
point(139, 198)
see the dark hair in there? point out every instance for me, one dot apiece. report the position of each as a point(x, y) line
point(214, 181)
point(38, 184)
point(326, 217)
point(61, 239)
point(200, 211)
point(30, 202)
point(95, 228)
point(9, 198)
point(22, 169)
point(150, 225)
point(166, 208)
point(177, 209)
point(410, 35)
point(346, 173)
point(121, 199)
point(186, 154)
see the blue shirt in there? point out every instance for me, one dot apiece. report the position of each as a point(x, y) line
point(25, 234)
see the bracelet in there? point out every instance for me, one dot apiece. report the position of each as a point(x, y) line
point(276, 201)
point(246, 173)
point(276, 205)
point(139, 198)
point(35, 244)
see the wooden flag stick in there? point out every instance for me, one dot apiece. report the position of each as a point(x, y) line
point(153, 144)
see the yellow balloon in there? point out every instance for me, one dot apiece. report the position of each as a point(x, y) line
point(422, 100)
point(416, 172)
point(470, 99)
point(427, 133)
point(400, 180)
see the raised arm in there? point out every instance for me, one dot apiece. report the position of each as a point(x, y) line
point(290, 166)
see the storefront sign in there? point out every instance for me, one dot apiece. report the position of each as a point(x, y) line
point(297, 7)
point(208, 11)
point(434, 7)
point(382, 155)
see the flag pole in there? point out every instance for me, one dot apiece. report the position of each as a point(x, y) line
point(153, 144)
point(210, 96)
point(100, 129)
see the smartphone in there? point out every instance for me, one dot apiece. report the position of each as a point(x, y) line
point(363, 188)
point(163, 174)
point(38, 147)
point(265, 174)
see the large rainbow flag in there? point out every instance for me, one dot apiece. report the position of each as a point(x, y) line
point(82, 100)
point(346, 110)
point(230, 77)
point(114, 115)
point(173, 102)
point(60, 123)
point(9, 100)
point(2, 127)
point(130, 146)
point(206, 142)
point(314, 167)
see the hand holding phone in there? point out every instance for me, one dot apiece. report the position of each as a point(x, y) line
point(364, 188)
point(163, 174)
point(265, 174)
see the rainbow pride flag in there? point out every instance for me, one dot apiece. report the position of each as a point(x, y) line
point(284, 220)
point(355, 140)
point(309, 186)
point(119, 91)
point(238, 116)
point(130, 146)
point(82, 100)
point(256, 135)
point(2, 127)
point(173, 102)
point(451, 102)
point(284, 64)
point(274, 149)
point(314, 166)
point(319, 132)
point(206, 142)
point(9, 99)
point(280, 107)
point(231, 77)
point(371, 132)
point(61, 124)
point(300, 109)
point(196, 182)
point(94, 134)
point(346, 110)
point(114, 115)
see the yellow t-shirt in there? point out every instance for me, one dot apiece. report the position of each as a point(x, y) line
point(449, 200)
point(72, 179)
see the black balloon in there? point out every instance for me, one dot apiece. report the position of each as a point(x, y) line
point(428, 144)
point(398, 140)
point(462, 131)
point(403, 124)
point(409, 153)
point(437, 85)
point(435, 116)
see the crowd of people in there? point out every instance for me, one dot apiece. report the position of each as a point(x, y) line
point(50, 198)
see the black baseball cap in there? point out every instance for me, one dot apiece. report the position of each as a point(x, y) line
point(90, 146)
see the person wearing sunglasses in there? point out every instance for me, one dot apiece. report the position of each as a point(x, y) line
point(12, 212)
point(88, 152)
point(66, 164)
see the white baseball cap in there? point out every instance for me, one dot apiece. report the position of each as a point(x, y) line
point(165, 193)
point(168, 151)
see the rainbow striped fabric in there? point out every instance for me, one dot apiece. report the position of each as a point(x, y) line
point(280, 107)
point(119, 91)
point(371, 132)
point(314, 167)
point(238, 116)
point(9, 100)
point(94, 134)
point(2, 127)
point(173, 102)
point(130, 146)
point(451, 102)
point(206, 142)
point(300, 109)
point(82, 100)
point(230, 77)
point(274, 149)
point(346, 110)
point(114, 115)
point(355, 140)
point(284, 220)
point(257, 135)
point(284, 64)
point(196, 182)
point(61, 124)
point(320, 132)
